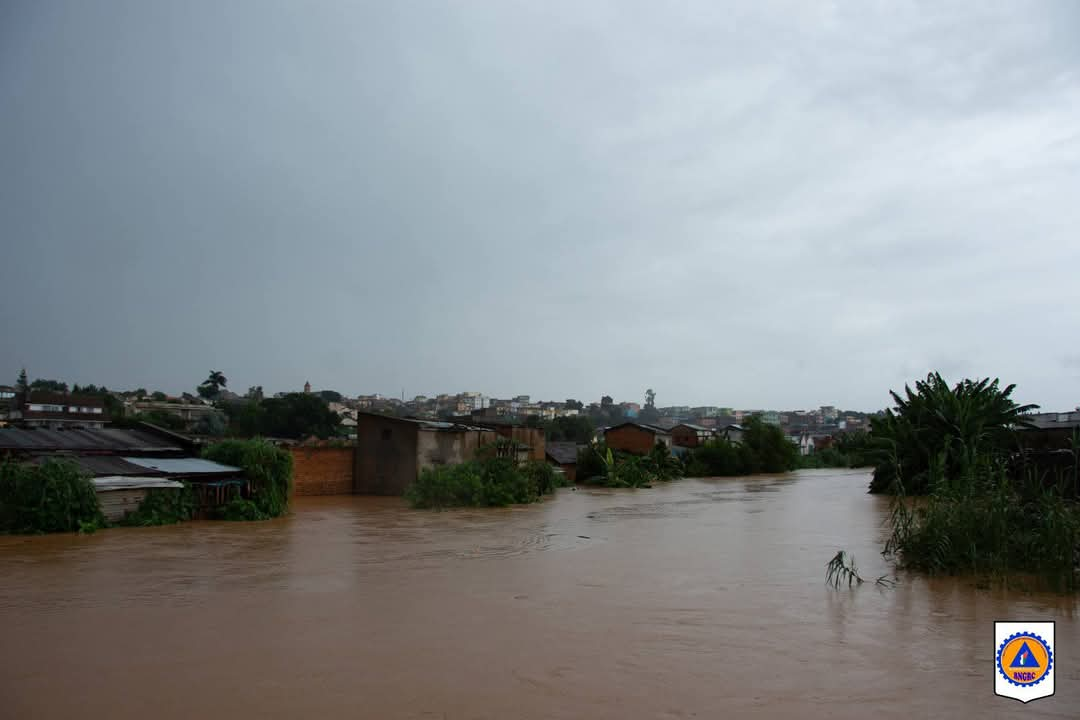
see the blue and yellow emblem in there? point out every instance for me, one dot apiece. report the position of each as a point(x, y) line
point(1024, 659)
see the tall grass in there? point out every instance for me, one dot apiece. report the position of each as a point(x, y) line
point(983, 522)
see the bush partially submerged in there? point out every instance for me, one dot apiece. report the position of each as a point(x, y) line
point(764, 448)
point(163, 506)
point(269, 470)
point(52, 497)
point(488, 482)
point(622, 470)
point(984, 523)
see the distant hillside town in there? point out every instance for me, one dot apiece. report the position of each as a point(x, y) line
point(212, 409)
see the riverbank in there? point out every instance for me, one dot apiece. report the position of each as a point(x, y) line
point(597, 603)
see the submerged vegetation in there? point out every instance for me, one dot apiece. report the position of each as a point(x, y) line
point(163, 506)
point(763, 448)
point(984, 522)
point(269, 471)
point(976, 511)
point(489, 481)
point(600, 465)
point(842, 569)
point(52, 497)
point(851, 450)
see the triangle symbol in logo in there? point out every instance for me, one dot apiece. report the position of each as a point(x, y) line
point(1024, 658)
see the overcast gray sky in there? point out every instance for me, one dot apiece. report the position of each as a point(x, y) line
point(759, 204)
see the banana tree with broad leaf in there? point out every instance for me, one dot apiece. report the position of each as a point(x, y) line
point(974, 418)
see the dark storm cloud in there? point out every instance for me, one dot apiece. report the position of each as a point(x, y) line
point(762, 204)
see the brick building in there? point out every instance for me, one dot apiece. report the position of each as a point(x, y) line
point(636, 438)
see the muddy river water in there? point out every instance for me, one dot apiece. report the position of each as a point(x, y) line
point(699, 598)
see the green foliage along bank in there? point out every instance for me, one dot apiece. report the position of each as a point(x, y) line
point(984, 522)
point(975, 515)
point(52, 497)
point(763, 449)
point(488, 481)
point(163, 506)
point(269, 470)
point(599, 465)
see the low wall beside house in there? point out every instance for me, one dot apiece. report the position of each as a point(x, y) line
point(323, 470)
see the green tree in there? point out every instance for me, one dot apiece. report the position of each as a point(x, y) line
point(159, 396)
point(330, 395)
point(772, 452)
point(49, 385)
point(570, 428)
point(295, 416)
point(212, 386)
point(959, 425)
point(572, 404)
point(255, 392)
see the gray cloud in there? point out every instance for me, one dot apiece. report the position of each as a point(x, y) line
point(763, 204)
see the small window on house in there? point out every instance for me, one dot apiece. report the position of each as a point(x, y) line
point(386, 434)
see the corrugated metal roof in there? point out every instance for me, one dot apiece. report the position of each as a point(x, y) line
point(98, 465)
point(115, 482)
point(1050, 421)
point(564, 453)
point(183, 466)
point(696, 428)
point(103, 440)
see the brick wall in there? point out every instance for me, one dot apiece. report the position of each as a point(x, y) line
point(631, 439)
point(323, 470)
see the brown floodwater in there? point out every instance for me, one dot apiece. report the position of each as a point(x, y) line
point(698, 598)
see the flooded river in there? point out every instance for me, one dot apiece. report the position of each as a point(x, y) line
point(699, 598)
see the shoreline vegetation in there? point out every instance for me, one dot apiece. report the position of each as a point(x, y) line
point(986, 511)
point(494, 479)
point(983, 509)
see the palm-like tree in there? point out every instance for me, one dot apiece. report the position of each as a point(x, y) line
point(935, 421)
point(211, 387)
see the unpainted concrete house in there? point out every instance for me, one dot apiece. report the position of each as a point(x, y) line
point(391, 452)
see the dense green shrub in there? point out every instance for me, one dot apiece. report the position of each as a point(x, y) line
point(491, 481)
point(269, 470)
point(629, 471)
point(662, 465)
point(764, 448)
point(590, 463)
point(163, 506)
point(447, 486)
point(985, 523)
point(543, 476)
point(718, 458)
point(53, 497)
point(827, 458)
point(240, 509)
point(623, 470)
